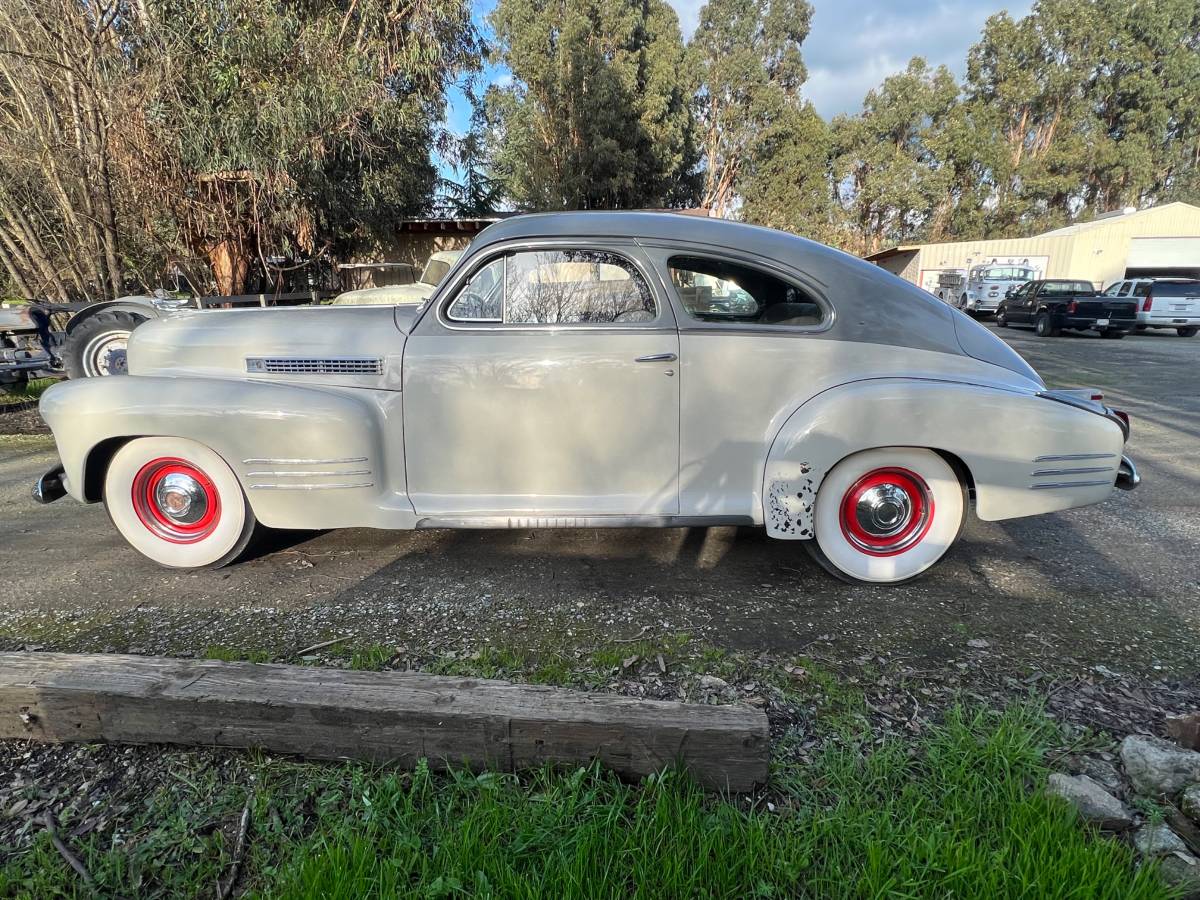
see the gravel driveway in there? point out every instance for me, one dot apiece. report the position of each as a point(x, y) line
point(1116, 584)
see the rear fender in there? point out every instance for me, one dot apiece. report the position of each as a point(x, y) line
point(997, 435)
point(272, 436)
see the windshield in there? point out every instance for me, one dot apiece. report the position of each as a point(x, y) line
point(1172, 289)
point(1062, 288)
point(1006, 273)
point(435, 271)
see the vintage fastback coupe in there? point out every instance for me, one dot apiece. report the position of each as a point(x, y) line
point(590, 370)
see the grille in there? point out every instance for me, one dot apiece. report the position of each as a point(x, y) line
point(340, 365)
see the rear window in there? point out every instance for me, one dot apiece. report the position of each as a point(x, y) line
point(1062, 288)
point(1173, 289)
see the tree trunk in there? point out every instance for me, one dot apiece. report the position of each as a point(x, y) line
point(230, 262)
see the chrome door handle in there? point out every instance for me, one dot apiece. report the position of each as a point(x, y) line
point(658, 357)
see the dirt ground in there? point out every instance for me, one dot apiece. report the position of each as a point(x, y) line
point(1111, 588)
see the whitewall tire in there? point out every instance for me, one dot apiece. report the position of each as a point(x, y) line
point(177, 502)
point(885, 516)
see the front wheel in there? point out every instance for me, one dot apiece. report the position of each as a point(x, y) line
point(1045, 327)
point(885, 516)
point(1187, 332)
point(1002, 317)
point(177, 502)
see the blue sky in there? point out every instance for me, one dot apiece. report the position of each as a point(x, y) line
point(853, 45)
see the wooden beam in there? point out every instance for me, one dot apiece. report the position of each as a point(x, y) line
point(397, 717)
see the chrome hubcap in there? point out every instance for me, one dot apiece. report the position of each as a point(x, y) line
point(181, 498)
point(883, 510)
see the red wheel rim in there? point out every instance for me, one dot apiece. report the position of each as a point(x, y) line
point(886, 512)
point(175, 500)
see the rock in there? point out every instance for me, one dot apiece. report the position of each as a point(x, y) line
point(713, 683)
point(1156, 766)
point(1094, 803)
point(978, 644)
point(1103, 773)
point(1190, 803)
point(1182, 872)
point(1158, 840)
point(1185, 730)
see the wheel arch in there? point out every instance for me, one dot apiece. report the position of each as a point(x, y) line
point(989, 436)
point(249, 425)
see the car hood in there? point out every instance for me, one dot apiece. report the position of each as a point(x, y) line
point(350, 346)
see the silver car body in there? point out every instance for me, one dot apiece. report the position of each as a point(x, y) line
point(404, 417)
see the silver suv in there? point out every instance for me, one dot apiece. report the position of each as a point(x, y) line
point(1162, 302)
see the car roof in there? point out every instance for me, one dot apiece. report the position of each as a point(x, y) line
point(447, 255)
point(665, 226)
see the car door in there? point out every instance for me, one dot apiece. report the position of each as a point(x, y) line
point(1016, 309)
point(544, 382)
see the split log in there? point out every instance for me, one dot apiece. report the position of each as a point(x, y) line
point(395, 717)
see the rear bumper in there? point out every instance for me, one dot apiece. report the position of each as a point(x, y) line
point(1084, 323)
point(1167, 321)
point(1127, 475)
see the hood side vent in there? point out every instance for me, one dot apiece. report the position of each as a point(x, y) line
point(330, 365)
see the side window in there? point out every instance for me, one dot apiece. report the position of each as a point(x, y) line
point(716, 290)
point(481, 299)
point(574, 287)
point(1142, 288)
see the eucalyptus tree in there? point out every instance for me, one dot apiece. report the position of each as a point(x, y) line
point(745, 57)
point(596, 112)
point(890, 179)
point(141, 135)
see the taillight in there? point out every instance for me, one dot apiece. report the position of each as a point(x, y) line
point(1147, 303)
point(1124, 417)
point(1072, 306)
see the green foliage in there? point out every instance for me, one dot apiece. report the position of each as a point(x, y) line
point(597, 113)
point(885, 159)
point(959, 812)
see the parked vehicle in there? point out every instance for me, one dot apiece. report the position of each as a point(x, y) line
point(435, 270)
point(565, 374)
point(1162, 302)
point(1050, 305)
point(987, 285)
point(25, 345)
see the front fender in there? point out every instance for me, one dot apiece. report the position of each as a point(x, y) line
point(1006, 439)
point(272, 436)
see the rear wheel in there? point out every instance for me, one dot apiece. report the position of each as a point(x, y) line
point(1187, 332)
point(98, 344)
point(1045, 327)
point(177, 502)
point(885, 516)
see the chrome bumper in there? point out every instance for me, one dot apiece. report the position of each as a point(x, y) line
point(50, 486)
point(1127, 475)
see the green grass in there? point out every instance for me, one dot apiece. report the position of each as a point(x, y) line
point(30, 391)
point(233, 654)
point(959, 812)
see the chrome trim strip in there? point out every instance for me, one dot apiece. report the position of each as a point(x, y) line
point(315, 365)
point(1064, 457)
point(1048, 486)
point(266, 461)
point(1083, 470)
point(308, 487)
point(306, 474)
point(602, 521)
